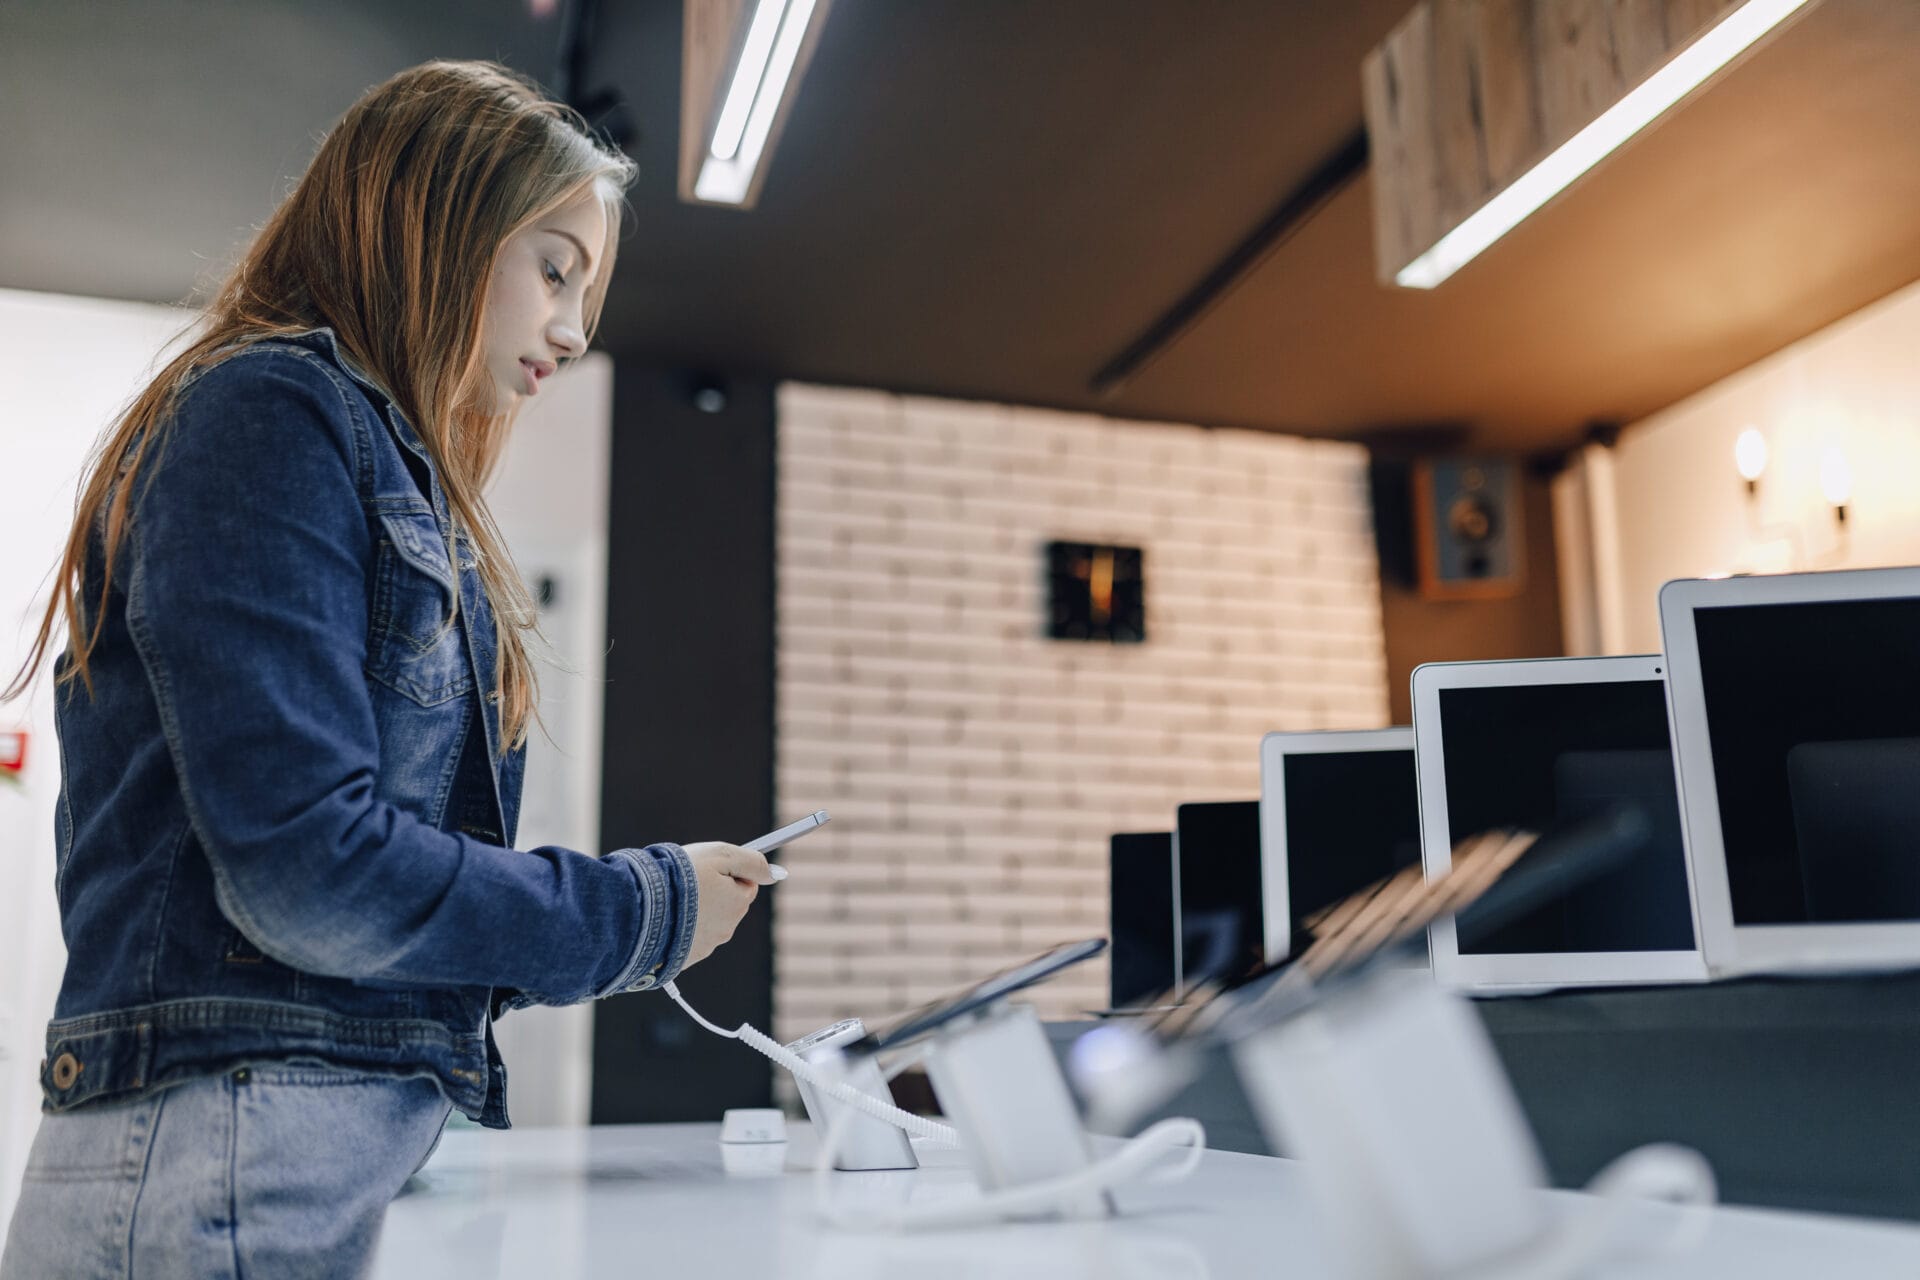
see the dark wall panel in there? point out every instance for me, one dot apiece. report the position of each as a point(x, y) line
point(688, 744)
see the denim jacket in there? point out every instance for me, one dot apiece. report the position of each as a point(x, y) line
point(286, 814)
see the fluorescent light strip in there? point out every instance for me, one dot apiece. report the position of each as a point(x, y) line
point(746, 78)
point(1583, 150)
point(726, 180)
point(779, 67)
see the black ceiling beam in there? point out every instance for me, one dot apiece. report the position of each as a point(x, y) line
point(1292, 213)
point(605, 108)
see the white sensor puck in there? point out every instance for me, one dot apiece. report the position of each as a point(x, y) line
point(754, 1124)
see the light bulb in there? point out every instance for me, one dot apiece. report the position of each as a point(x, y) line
point(1836, 478)
point(1750, 454)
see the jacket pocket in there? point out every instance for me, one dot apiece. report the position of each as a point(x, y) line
point(416, 647)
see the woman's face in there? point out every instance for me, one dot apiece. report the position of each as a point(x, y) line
point(535, 301)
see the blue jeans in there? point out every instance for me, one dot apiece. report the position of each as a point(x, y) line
point(278, 1170)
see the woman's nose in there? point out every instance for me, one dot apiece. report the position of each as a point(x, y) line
point(567, 339)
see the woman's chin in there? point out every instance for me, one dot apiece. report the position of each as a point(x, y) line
point(507, 400)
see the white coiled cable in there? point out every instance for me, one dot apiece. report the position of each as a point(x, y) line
point(839, 1090)
point(1137, 1157)
point(1658, 1173)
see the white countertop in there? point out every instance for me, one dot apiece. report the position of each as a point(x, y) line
point(658, 1201)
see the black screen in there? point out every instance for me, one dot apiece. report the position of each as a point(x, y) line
point(1140, 917)
point(1535, 756)
point(1222, 934)
point(1813, 714)
point(917, 1022)
point(1353, 818)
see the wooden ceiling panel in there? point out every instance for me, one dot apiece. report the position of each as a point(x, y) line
point(1782, 197)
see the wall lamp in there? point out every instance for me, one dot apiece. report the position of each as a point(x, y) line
point(1750, 457)
point(1836, 482)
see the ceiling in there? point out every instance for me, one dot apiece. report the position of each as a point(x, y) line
point(993, 198)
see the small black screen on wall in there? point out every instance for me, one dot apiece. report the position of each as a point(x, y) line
point(1095, 593)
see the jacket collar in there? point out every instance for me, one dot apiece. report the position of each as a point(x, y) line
point(327, 342)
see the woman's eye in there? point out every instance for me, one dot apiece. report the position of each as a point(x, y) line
point(553, 274)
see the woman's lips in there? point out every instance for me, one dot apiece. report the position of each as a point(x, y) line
point(531, 374)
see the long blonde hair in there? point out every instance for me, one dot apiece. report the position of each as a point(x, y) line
point(390, 239)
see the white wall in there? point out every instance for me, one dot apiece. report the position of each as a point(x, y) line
point(67, 367)
point(1682, 511)
point(974, 768)
point(550, 498)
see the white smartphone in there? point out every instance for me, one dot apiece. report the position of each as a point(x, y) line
point(792, 831)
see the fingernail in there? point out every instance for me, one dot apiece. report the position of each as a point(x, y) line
point(778, 873)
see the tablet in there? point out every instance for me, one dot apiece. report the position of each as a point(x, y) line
point(1224, 924)
point(911, 1026)
point(1535, 745)
point(1140, 919)
point(1338, 811)
point(1796, 718)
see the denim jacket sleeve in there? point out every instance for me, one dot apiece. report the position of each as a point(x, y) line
point(247, 598)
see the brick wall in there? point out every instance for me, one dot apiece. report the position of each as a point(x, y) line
point(975, 768)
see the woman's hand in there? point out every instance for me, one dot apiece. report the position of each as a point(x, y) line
point(728, 879)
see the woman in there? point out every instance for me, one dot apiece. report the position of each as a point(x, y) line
point(295, 696)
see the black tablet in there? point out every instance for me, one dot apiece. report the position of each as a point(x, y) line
point(912, 1026)
point(1223, 927)
point(1140, 917)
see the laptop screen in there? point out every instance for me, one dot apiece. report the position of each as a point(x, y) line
point(1222, 929)
point(1352, 819)
point(1534, 756)
point(1813, 713)
point(1140, 917)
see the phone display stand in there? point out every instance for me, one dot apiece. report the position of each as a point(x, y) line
point(1001, 1087)
point(1415, 1150)
point(865, 1143)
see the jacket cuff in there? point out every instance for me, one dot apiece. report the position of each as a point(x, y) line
point(669, 904)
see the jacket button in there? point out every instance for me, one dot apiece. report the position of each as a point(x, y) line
point(66, 1069)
